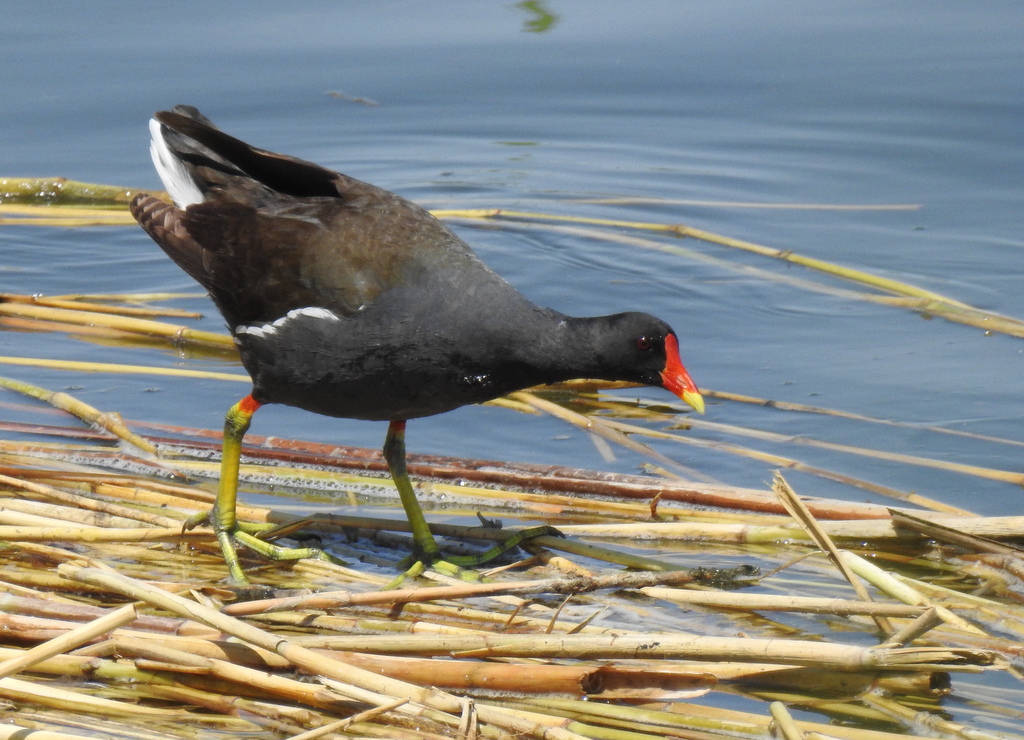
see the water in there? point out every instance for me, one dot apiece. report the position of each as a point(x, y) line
point(694, 103)
point(867, 103)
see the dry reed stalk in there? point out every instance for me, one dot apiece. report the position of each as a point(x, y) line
point(51, 191)
point(554, 480)
point(1004, 618)
point(1005, 476)
point(57, 457)
point(820, 410)
point(360, 685)
point(258, 715)
point(543, 504)
point(666, 647)
point(430, 618)
point(770, 602)
point(103, 367)
point(13, 518)
point(74, 701)
point(22, 216)
point(145, 327)
point(20, 732)
point(917, 300)
point(818, 682)
point(766, 457)
point(681, 719)
point(907, 296)
point(592, 425)
point(912, 498)
point(330, 600)
point(97, 334)
point(109, 422)
point(150, 656)
point(650, 680)
point(897, 589)
point(932, 723)
point(343, 724)
point(936, 531)
point(101, 534)
point(925, 622)
point(117, 485)
point(68, 499)
point(641, 200)
point(65, 609)
point(793, 464)
point(40, 580)
point(213, 644)
point(209, 658)
point(642, 488)
point(9, 590)
point(461, 675)
point(139, 490)
point(82, 305)
point(870, 529)
point(803, 516)
point(60, 513)
point(71, 640)
point(783, 723)
point(548, 478)
point(836, 709)
point(606, 680)
point(128, 297)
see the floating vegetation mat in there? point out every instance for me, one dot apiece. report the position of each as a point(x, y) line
point(808, 618)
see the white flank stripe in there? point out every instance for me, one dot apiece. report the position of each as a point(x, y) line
point(267, 329)
point(313, 312)
point(256, 331)
point(175, 177)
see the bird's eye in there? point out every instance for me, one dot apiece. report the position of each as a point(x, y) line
point(644, 344)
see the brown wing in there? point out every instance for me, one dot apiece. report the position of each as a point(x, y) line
point(276, 233)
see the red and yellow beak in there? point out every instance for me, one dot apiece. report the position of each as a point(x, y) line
point(675, 378)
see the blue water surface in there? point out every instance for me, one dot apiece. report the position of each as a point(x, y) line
point(697, 105)
point(720, 114)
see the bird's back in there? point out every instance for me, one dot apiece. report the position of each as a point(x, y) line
point(266, 234)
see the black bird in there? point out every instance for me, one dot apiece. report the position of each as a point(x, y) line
point(350, 301)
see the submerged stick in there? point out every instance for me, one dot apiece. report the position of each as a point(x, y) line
point(893, 286)
point(108, 421)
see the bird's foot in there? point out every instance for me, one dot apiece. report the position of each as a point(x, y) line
point(255, 537)
point(461, 566)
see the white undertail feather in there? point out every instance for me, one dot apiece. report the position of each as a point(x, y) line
point(175, 177)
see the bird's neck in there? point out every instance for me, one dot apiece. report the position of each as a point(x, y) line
point(561, 348)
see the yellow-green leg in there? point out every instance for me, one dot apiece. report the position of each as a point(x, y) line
point(222, 517)
point(425, 549)
point(424, 545)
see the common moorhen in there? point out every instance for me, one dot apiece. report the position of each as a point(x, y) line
point(348, 300)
